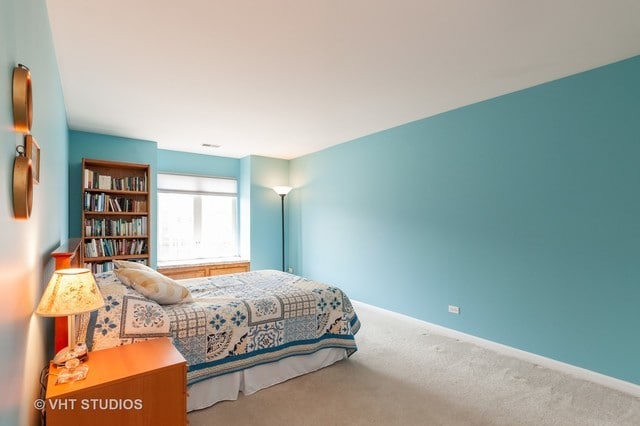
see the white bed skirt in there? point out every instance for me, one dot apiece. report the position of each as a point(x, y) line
point(226, 388)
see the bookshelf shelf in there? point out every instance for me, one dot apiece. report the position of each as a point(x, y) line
point(118, 237)
point(110, 258)
point(88, 213)
point(115, 191)
point(116, 204)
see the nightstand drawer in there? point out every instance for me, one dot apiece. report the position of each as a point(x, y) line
point(139, 384)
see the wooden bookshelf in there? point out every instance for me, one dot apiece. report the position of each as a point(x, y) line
point(116, 206)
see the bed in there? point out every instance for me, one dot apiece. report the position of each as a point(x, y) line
point(239, 332)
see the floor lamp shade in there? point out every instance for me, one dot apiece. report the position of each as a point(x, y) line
point(282, 190)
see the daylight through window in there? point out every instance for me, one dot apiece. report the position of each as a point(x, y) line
point(197, 217)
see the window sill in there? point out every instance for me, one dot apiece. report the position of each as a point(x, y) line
point(202, 262)
point(203, 267)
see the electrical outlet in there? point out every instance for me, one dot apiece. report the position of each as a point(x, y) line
point(290, 270)
point(454, 309)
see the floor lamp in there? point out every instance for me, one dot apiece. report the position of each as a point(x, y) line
point(282, 191)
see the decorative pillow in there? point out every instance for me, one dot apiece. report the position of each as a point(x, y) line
point(121, 264)
point(126, 317)
point(142, 317)
point(154, 285)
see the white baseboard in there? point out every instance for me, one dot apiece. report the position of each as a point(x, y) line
point(578, 372)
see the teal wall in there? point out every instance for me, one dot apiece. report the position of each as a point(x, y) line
point(263, 235)
point(260, 219)
point(112, 148)
point(25, 245)
point(197, 164)
point(523, 210)
point(244, 187)
point(204, 165)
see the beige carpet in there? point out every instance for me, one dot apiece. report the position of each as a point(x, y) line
point(404, 374)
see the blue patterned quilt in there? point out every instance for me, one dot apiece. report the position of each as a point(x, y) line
point(236, 321)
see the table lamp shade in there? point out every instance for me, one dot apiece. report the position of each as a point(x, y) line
point(70, 291)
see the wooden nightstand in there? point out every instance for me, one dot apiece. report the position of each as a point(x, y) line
point(139, 384)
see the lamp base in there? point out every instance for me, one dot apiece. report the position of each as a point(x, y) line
point(79, 351)
point(72, 371)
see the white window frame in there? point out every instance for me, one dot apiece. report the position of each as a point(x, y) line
point(199, 185)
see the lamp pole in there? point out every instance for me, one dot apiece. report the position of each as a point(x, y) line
point(282, 191)
point(282, 210)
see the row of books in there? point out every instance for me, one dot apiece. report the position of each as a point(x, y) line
point(100, 227)
point(106, 203)
point(95, 180)
point(110, 247)
point(97, 268)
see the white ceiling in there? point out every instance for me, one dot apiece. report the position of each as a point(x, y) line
point(283, 78)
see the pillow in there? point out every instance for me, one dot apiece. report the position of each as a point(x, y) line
point(126, 317)
point(132, 265)
point(154, 285)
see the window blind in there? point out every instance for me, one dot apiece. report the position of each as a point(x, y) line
point(197, 184)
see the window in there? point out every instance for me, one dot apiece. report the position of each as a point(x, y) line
point(197, 217)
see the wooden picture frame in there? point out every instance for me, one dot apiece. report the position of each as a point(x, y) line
point(32, 150)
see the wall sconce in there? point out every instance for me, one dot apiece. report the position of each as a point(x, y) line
point(22, 184)
point(23, 176)
point(22, 106)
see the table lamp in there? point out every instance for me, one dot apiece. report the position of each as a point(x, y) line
point(70, 292)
